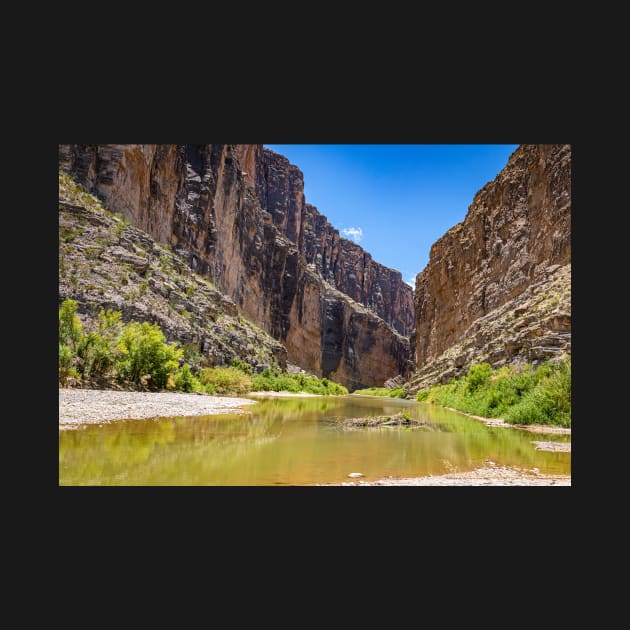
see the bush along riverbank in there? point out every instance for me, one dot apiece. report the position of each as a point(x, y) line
point(518, 395)
point(391, 392)
point(136, 356)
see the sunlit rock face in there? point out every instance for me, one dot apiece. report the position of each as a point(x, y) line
point(497, 287)
point(237, 214)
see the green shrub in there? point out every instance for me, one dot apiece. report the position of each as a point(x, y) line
point(98, 348)
point(284, 382)
point(549, 401)
point(193, 357)
point(241, 365)
point(65, 364)
point(226, 380)
point(70, 328)
point(143, 351)
point(391, 392)
point(397, 392)
point(184, 380)
point(138, 353)
point(478, 376)
point(96, 354)
point(522, 395)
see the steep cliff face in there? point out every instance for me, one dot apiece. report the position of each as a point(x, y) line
point(343, 264)
point(224, 209)
point(104, 263)
point(497, 286)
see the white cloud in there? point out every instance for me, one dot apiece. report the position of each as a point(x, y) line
point(411, 280)
point(355, 233)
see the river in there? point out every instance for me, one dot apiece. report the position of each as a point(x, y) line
point(296, 441)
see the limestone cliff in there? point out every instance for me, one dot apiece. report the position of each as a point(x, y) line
point(343, 264)
point(497, 286)
point(106, 263)
point(237, 215)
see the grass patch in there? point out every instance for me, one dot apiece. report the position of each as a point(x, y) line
point(391, 392)
point(67, 235)
point(73, 193)
point(524, 395)
point(272, 381)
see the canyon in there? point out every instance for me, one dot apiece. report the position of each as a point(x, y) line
point(497, 287)
point(214, 248)
point(237, 215)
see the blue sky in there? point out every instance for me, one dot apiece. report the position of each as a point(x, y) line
point(395, 200)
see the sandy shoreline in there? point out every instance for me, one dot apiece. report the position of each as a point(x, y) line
point(94, 406)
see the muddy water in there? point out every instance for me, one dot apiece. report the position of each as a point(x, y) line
point(293, 442)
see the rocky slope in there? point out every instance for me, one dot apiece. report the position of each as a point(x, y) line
point(106, 263)
point(497, 287)
point(236, 214)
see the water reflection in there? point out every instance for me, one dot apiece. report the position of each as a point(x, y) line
point(292, 442)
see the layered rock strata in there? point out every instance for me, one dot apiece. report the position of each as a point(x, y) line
point(106, 263)
point(237, 215)
point(497, 287)
point(342, 263)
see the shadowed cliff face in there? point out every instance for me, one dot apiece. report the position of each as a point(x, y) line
point(497, 285)
point(236, 213)
point(343, 264)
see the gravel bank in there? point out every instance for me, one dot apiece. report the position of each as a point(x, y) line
point(555, 447)
point(499, 422)
point(283, 395)
point(489, 475)
point(92, 406)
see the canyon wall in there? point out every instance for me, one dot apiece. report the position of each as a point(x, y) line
point(237, 215)
point(497, 287)
point(342, 263)
point(105, 263)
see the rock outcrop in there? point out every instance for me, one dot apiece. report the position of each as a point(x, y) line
point(237, 215)
point(106, 263)
point(497, 287)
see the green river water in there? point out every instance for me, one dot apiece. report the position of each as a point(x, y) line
point(293, 441)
